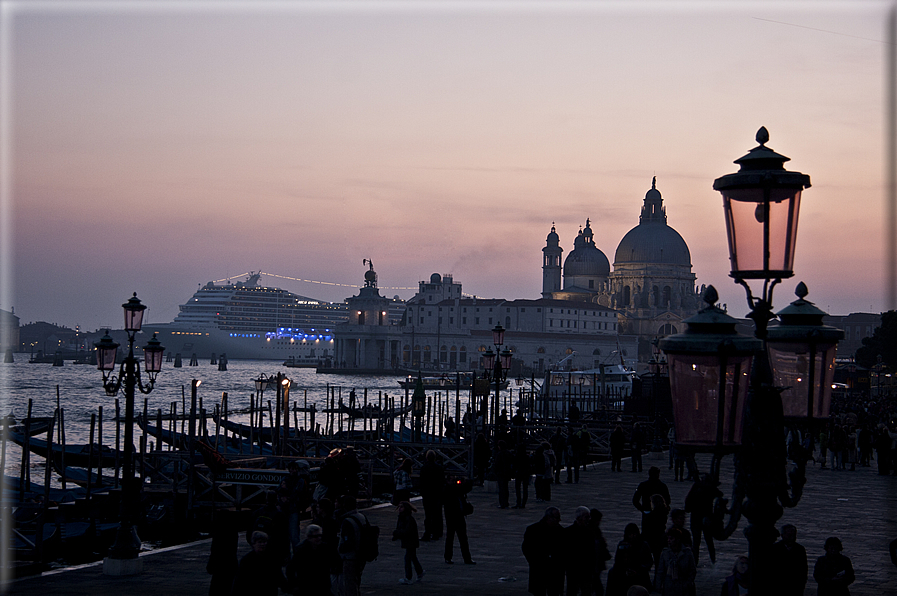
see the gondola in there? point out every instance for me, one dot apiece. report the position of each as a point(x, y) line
point(78, 455)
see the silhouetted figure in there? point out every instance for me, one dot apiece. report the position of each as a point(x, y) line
point(579, 545)
point(309, 570)
point(258, 572)
point(617, 443)
point(790, 560)
point(432, 487)
point(632, 563)
point(222, 565)
point(456, 510)
point(542, 547)
point(737, 583)
point(699, 503)
point(675, 571)
point(406, 532)
point(833, 571)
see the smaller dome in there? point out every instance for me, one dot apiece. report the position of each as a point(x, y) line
point(435, 279)
point(553, 236)
point(586, 258)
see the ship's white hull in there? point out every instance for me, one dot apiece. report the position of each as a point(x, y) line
point(206, 342)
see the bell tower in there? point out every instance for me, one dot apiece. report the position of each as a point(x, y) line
point(551, 264)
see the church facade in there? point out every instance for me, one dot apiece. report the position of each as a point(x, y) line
point(589, 315)
point(651, 286)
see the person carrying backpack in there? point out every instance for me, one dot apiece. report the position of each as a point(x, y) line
point(349, 546)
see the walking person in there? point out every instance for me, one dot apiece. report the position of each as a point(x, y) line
point(503, 466)
point(699, 503)
point(432, 487)
point(522, 473)
point(833, 571)
point(617, 443)
point(456, 511)
point(406, 532)
point(544, 461)
point(543, 550)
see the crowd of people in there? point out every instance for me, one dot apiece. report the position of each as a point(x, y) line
point(661, 555)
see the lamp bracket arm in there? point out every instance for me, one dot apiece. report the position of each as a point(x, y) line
point(143, 388)
point(721, 528)
point(748, 293)
point(790, 495)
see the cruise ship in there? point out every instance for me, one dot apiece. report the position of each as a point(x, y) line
point(245, 320)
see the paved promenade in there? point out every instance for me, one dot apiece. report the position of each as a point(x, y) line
point(859, 507)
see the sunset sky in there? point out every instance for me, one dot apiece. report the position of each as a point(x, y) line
point(153, 147)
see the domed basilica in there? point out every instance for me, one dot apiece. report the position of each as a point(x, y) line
point(651, 287)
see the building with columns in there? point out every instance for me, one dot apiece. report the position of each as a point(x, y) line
point(442, 330)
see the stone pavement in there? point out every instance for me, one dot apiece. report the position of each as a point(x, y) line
point(859, 507)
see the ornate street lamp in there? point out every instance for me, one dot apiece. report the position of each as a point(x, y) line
point(802, 354)
point(123, 559)
point(711, 365)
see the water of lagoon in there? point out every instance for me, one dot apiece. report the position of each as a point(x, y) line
point(80, 394)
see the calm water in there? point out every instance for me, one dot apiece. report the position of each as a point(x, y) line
point(81, 394)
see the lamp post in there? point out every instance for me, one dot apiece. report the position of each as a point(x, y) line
point(496, 365)
point(732, 393)
point(123, 559)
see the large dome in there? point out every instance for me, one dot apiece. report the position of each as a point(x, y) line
point(652, 240)
point(586, 258)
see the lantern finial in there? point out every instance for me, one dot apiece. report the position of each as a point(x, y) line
point(762, 135)
point(801, 290)
point(711, 296)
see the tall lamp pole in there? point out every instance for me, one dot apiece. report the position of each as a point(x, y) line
point(497, 364)
point(123, 555)
point(735, 394)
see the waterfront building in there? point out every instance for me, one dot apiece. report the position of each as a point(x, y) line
point(444, 331)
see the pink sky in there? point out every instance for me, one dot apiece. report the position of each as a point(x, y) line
point(153, 149)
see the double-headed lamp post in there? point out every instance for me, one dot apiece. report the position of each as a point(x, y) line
point(733, 393)
point(123, 555)
point(496, 365)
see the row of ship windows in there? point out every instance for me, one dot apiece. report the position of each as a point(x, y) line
point(597, 325)
point(569, 311)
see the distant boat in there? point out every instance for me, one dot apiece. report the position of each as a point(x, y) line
point(444, 382)
point(369, 411)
